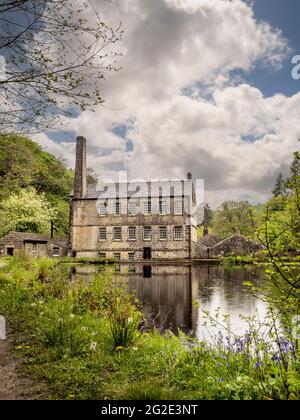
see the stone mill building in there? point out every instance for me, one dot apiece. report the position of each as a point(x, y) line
point(134, 220)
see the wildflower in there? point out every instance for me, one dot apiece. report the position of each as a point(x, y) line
point(119, 348)
point(275, 357)
point(221, 380)
point(93, 345)
point(93, 334)
point(83, 329)
point(72, 316)
point(33, 305)
point(129, 319)
point(19, 347)
point(27, 347)
point(258, 365)
point(135, 348)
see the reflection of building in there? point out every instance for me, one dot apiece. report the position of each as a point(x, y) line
point(167, 295)
point(32, 244)
point(134, 220)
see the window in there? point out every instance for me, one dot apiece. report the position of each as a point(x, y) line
point(147, 233)
point(178, 206)
point(102, 207)
point(117, 234)
point(178, 233)
point(117, 255)
point(56, 251)
point(102, 234)
point(163, 233)
point(117, 207)
point(102, 255)
point(163, 206)
point(34, 247)
point(131, 207)
point(131, 256)
point(147, 206)
point(132, 233)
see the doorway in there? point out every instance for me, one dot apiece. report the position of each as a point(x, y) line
point(10, 252)
point(147, 254)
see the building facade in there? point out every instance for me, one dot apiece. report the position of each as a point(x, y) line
point(141, 220)
point(33, 245)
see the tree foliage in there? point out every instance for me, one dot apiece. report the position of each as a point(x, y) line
point(26, 211)
point(233, 217)
point(24, 165)
point(56, 56)
point(280, 186)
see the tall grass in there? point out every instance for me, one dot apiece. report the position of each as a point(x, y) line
point(85, 340)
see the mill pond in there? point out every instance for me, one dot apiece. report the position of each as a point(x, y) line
point(179, 297)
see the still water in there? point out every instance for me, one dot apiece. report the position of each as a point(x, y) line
point(176, 297)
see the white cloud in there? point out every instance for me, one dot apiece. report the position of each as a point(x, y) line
point(171, 45)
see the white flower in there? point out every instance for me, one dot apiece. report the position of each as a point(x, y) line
point(129, 319)
point(72, 316)
point(93, 345)
point(33, 305)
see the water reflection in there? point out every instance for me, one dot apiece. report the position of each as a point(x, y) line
point(169, 294)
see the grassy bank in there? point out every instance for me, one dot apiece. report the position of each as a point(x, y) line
point(89, 341)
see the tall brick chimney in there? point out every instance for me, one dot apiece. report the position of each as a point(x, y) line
point(80, 182)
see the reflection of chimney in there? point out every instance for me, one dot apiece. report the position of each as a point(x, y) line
point(80, 182)
point(189, 175)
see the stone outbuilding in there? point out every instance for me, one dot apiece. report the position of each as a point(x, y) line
point(33, 244)
point(213, 247)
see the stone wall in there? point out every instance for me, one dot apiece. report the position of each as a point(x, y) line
point(85, 233)
point(236, 244)
point(10, 241)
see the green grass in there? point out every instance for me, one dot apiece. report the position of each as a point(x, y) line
point(86, 342)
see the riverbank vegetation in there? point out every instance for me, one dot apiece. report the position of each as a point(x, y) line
point(90, 341)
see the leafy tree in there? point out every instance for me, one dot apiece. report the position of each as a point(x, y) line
point(24, 164)
point(294, 181)
point(233, 217)
point(208, 215)
point(280, 186)
point(26, 211)
point(57, 54)
point(278, 222)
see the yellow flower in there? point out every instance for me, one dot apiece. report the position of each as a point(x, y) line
point(19, 347)
point(27, 347)
point(119, 348)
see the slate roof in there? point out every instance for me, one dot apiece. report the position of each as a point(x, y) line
point(209, 240)
point(36, 237)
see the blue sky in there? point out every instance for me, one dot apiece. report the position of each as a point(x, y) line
point(284, 15)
